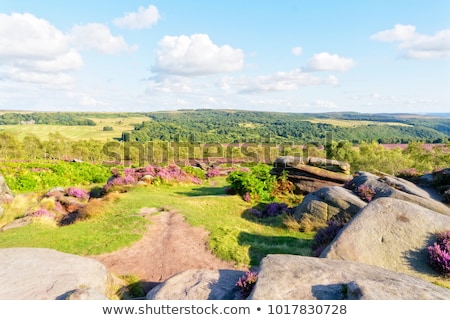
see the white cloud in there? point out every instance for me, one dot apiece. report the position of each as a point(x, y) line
point(98, 37)
point(399, 33)
point(169, 84)
point(416, 45)
point(325, 103)
point(297, 51)
point(33, 50)
point(325, 61)
point(195, 55)
point(144, 18)
point(281, 81)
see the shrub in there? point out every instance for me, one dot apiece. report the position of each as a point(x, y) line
point(77, 193)
point(365, 193)
point(272, 209)
point(325, 236)
point(246, 283)
point(213, 172)
point(439, 253)
point(43, 213)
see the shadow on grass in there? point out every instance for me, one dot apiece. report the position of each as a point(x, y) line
point(261, 246)
point(205, 191)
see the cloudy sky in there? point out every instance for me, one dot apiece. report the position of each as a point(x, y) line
point(290, 56)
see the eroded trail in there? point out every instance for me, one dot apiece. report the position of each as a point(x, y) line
point(169, 246)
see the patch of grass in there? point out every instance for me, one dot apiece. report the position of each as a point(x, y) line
point(233, 236)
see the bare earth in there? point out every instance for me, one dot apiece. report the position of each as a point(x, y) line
point(169, 246)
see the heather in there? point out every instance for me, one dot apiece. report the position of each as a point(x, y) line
point(324, 237)
point(439, 253)
point(246, 283)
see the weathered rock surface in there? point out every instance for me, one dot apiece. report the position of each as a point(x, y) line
point(290, 277)
point(390, 233)
point(310, 174)
point(393, 187)
point(5, 193)
point(318, 207)
point(198, 285)
point(45, 274)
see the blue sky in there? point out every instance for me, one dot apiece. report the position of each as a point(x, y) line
point(289, 56)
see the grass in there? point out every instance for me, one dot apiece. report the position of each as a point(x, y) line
point(78, 132)
point(234, 236)
point(356, 123)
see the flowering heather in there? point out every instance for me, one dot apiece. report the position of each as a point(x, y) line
point(325, 236)
point(43, 213)
point(168, 174)
point(274, 209)
point(439, 253)
point(246, 283)
point(247, 197)
point(213, 172)
point(77, 193)
point(365, 193)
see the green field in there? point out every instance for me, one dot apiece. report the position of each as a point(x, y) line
point(78, 132)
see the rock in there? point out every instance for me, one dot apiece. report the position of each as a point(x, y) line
point(311, 174)
point(392, 234)
point(85, 294)
point(318, 207)
point(5, 193)
point(46, 274)
point(198, 285)
point(290, 277)
point(393, 187)
point(20, 222)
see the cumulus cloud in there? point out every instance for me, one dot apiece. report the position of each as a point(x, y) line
point(144, 18)
point(297, 51)
point(33, 50)
point(415, 45)
point(98, 37)
point(325, 61)
point(195, 55)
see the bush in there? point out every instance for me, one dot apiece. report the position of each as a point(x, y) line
point(272, 209)
point(108, 128)
point(325, 236)
point(439, 253)
point(246, 283)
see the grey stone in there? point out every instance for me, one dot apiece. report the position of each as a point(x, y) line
point(390, 233)
point(198, 285)
point(46, 274)
point(318, 207)
point(290, 277)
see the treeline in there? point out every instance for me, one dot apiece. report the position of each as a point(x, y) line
point(416, 158)
point(246, 126)
point(55, 118)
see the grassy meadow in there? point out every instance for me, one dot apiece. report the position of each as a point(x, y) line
point(42, 131)
point(234, 235)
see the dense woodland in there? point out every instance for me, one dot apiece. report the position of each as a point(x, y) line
point(244, 136)
point(245, 126)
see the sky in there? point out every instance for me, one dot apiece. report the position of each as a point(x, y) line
point(263, 55)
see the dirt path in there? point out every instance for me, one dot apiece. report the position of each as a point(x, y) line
point(169, 246)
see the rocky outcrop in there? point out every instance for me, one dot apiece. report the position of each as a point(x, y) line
point(45, 274)
point(198, 285)
point(6, 194)
point(382, 186)
point(310, 174)
point(318, 207)
point(390, 233)
point(289, 277)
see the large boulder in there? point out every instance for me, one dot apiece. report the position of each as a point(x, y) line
point(196, 284)
point(290, 277)
point(318, 207)
point(46, 274)
point(393, 187)
point(393, 234)
point(6, 194)
point(309, 174)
